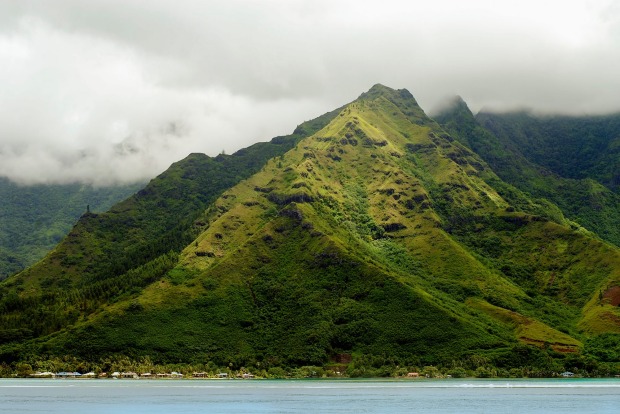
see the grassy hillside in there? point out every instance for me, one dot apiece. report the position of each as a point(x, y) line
point(379, 236)
point(34, 219)
point(516, 149)
point(377, 240)
point(129, 245)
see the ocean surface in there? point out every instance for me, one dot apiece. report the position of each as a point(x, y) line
point(310, 396)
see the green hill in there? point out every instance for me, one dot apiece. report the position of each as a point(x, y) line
point(375, 239)
point(570, 146)
point(104, 251)
point(570, 161)
point(35, 218)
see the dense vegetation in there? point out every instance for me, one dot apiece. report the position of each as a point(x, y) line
point(572, 162)
point(572, 147)
point(34, 219)
point(101, 255)
point(368, 242)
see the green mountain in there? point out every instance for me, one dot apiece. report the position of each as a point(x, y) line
point(573, 162)
point(34, 219)
point(586, 147)
point(372, 238)
point(104, 252)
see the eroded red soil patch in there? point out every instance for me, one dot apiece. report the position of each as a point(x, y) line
point(556, 346)
point(612, 295)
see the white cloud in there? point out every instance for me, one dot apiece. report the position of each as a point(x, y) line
point(108, 90)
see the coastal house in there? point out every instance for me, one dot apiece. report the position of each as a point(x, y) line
point(45, 374)
point(222, 375)
point(413, 375)
point(64, 374)
point(567, 374)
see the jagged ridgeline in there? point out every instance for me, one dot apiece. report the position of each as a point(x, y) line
point(107, 256)
point(572, 161)
point(377, 235)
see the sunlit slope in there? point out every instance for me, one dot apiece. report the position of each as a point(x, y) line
point(128, 247)
point(379, 234)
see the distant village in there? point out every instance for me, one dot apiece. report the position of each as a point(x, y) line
point(135, 375)
point(199, 375)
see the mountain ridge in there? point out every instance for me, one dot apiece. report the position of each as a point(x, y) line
point(36, 218)
point(586, 200)
point(377, 234)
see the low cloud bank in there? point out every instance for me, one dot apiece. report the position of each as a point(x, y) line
point(111, 91)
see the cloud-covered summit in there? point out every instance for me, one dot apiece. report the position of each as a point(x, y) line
point(109, 91)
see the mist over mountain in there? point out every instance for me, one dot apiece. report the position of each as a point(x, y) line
point(370, 238)
point(571, 161)
point(113, 91)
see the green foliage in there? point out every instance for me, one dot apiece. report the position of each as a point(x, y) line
point(25, 317)
point(376, 247)
point(605, 348)
point(572, 147)
point(101, 255)
point(570, 161)
point(36, 218)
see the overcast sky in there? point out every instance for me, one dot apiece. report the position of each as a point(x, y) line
point(106, 91)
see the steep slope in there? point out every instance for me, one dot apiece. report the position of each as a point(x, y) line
point(379, 235)
point(572, 147)
point(507, 151)
point(130, 245)
point(34, 219)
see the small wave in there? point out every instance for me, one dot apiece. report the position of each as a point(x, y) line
point(520, 385)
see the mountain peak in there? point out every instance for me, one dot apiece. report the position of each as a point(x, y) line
point(371, 232)
point(402, 98)
point(454, 105)
point(378, 90)
point(455, 117)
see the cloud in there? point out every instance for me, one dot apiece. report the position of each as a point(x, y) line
point(110, 91)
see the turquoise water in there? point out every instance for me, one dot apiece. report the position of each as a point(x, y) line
point(309, 396)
